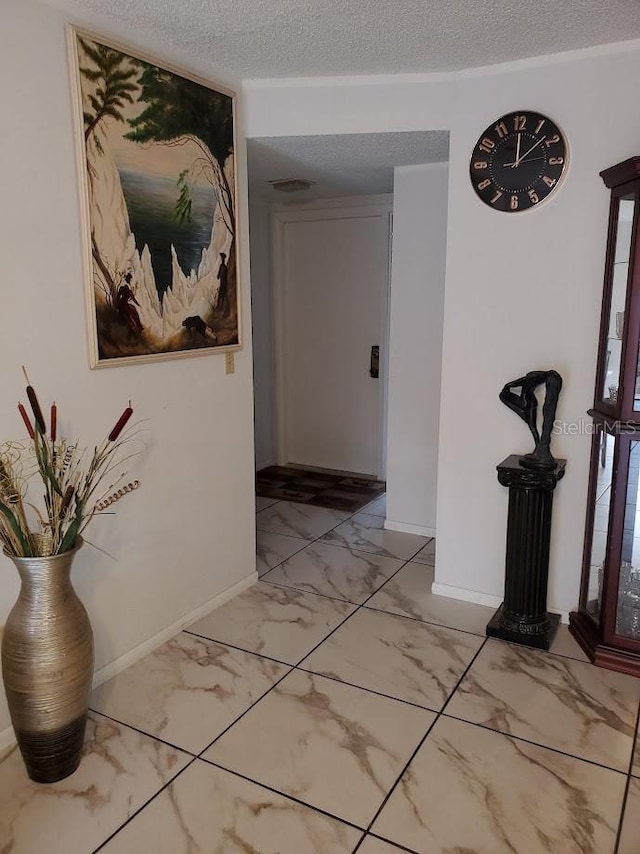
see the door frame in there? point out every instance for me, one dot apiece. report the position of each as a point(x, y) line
point(340, 208)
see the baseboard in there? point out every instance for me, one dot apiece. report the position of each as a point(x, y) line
point(464, 595)
point(108, 671)
point(407, 528)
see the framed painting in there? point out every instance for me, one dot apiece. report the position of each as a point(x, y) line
point(156, 157)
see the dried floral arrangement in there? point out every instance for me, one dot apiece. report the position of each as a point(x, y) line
point(73, 482)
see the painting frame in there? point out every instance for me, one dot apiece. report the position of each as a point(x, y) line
point(131, 316)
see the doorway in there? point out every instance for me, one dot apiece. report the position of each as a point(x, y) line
point(331, 282)
point(320, 275)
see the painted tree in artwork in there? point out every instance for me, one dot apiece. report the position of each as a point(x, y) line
point(179, 111)
point(113, 78)
point(115, 85)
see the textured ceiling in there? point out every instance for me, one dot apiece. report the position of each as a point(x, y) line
point(300, 38)
point(344, 165)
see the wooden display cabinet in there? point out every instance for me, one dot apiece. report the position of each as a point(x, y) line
point(607, 623)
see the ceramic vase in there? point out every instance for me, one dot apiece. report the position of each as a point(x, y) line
point(47, 666)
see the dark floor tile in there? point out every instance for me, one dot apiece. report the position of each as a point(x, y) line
point(363, 483)
point(352, 494)
point(279, 471)
point(289, 493)
point(318, 488)
point(325, 477)
point(272, 482)
point(337, 503)
point(315, 483)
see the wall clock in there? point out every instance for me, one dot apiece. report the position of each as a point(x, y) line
point(518, 161)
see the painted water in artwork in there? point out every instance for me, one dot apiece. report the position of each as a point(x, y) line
point(160, 177)
point(150, 203)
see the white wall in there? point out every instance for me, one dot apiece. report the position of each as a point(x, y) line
point(187, 535)
point(326, 105)
point(522, 291)
point(264, 391)
point(415, 351)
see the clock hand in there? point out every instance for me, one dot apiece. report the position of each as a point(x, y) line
point(517, 160)
point(530, 150)
point(524, 160)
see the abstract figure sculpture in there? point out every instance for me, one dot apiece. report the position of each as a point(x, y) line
point(525, 404)
point(531, 480)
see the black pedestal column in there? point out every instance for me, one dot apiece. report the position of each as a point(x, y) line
point(523, 616)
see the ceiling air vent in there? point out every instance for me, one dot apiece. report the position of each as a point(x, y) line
point(291, 185)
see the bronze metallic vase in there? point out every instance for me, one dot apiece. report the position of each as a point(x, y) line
point(47, 666)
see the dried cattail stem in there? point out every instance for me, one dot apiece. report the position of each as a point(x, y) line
point(71, 480)
point(126, 415)
point(35, 406)
point(54, 421)
point(27, 422)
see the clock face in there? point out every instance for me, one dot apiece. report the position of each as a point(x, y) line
point(518, 161)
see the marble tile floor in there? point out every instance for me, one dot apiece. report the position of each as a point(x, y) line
point(337, 706)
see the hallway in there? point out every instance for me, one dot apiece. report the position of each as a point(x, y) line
point(338, 696)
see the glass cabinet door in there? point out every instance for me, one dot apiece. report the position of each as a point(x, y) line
point(613, 354)
point(628, 606)
point(600, 530)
